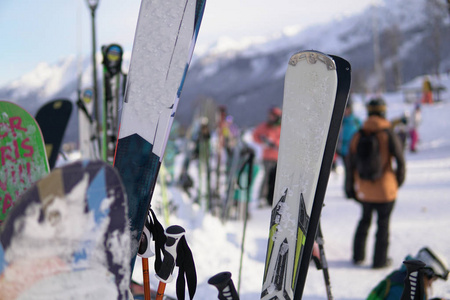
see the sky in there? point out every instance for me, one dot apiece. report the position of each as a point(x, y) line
point(34, 31)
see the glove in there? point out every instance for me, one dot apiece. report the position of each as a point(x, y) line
point(267, 142)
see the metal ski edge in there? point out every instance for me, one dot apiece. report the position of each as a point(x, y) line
point(344, 80)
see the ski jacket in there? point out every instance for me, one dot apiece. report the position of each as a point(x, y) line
point(383, 189)
point(269, 136)
point(350, 125)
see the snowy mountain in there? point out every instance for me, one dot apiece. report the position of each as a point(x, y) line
point(248, 75)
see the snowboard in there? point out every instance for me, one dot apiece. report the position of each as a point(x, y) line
point(310, 115)
point(23, 155)
point(53, 118)
point(164, 42)
point(68, 237)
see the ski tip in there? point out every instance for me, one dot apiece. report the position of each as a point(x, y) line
point(312, 57)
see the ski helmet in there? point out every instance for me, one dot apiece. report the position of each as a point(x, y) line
point(436, 266)
point(377, 106)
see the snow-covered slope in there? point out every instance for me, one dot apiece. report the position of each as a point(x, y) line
point(420, 218)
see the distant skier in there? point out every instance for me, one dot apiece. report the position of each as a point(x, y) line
point(400, 128)
point(427, 92)
point(350, 125)
point(372, 181)
point(391, 287)
point(414, 122)
point(268, 135)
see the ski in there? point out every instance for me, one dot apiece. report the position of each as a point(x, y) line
point(23, 155)
point(112, 67)
point(343, 69)
point(53, 118)
point(68, 237)
point(310, 123)
point(163, 46)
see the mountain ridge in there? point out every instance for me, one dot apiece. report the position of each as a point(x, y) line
point(248, 77)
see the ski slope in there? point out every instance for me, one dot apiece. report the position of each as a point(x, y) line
point(420, 218)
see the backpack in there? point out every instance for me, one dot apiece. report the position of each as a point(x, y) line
point(390, 287)
point(368, 158)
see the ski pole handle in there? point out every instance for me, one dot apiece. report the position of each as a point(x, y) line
point(174, 234)
point(145, 250)
point(414, 286)
point(224, 284)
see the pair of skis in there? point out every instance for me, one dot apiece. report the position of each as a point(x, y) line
point(315, 95)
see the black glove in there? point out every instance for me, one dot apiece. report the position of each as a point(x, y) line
point(350, 193)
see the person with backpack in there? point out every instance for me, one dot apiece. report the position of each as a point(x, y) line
point(372, 181)
point(393, 285)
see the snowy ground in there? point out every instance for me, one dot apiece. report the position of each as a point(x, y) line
point(420, 218)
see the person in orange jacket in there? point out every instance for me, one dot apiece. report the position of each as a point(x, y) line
point(268, 135)
point(376, 194)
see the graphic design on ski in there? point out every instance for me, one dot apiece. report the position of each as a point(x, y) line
point(165, 37)
point(68, 237)
point(311, 84)
point(53, 118)
point(23, 155)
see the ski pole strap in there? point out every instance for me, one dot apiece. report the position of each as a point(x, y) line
point(186, 272)
point(414, 285)
point(177, 252)
point(173, 234)
point(153, 230)
point(83, 108)
point(223, 282)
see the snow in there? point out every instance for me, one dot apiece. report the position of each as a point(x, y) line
point(420, 218)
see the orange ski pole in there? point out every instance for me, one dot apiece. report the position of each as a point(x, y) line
point(146, 276)
point(160, 291)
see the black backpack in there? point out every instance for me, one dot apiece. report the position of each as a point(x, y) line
point(368, 158)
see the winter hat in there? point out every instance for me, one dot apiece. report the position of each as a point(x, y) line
point(376, 106)
point(436, 266)
point(276, 111)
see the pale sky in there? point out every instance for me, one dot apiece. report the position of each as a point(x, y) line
point(34, 31)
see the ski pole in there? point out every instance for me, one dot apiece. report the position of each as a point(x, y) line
point(223, 282)
point(145, 271)
point(249, 162)
point(164, 274)
point(324, 263)
point(145, 252)
point(414, 286)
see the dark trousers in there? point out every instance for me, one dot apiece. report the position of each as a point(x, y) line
point(268, 184)
point(382, 236)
